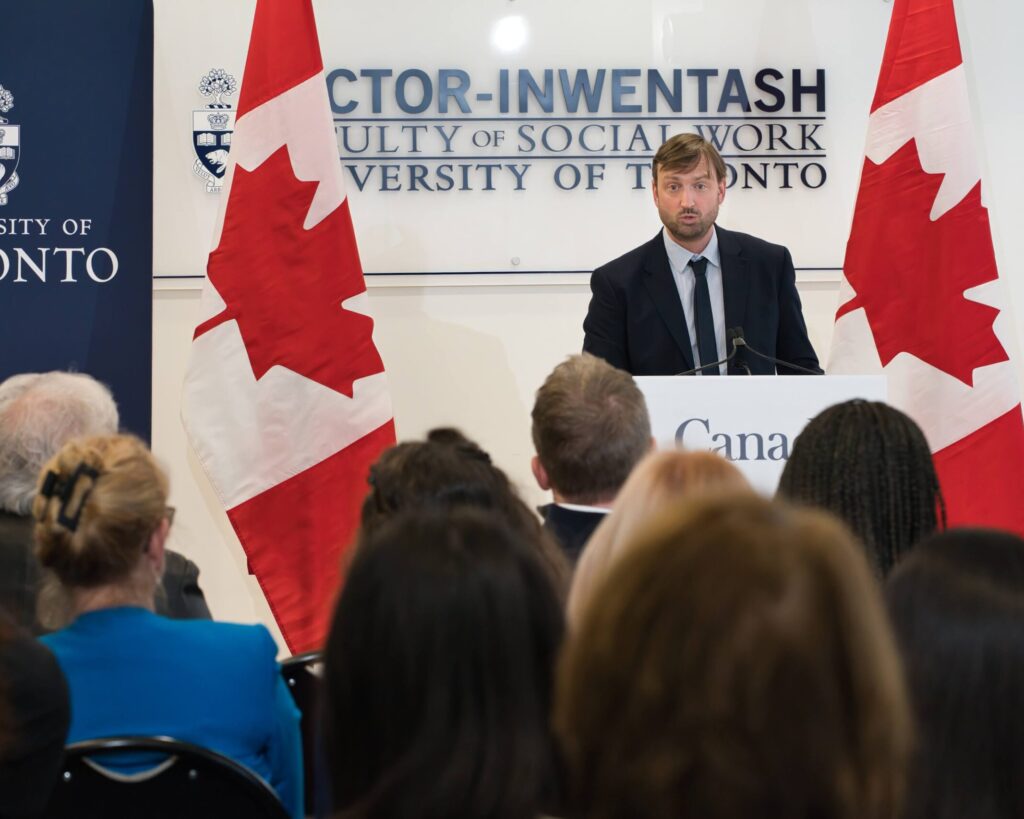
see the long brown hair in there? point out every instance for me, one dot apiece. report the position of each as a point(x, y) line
point(736, 663)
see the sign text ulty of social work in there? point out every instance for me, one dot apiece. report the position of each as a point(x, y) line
point(444, 130)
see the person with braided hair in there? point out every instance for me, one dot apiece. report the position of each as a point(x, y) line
point(870, 465)
point(102, 524)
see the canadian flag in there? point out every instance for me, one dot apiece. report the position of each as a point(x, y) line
point(286, 401)
point(921, 298)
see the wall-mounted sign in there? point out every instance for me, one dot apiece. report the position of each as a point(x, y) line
point(76, 195)
point(495, 137)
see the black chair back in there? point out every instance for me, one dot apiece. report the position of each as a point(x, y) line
point(184, 781)
point(302, 676)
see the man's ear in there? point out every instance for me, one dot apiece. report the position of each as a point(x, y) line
point(540, 474)
point(721, 191)
point(653, 446)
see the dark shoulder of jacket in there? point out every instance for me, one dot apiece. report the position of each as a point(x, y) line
point(752, 246)
point(629, 261)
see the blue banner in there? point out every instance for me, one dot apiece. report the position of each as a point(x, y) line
point(76, 195)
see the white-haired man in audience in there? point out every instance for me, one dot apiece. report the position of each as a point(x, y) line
point(39, 413)
point(590, 428)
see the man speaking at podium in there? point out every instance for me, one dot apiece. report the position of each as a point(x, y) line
point(696, 292)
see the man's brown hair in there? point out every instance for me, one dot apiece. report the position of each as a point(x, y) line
point(590, 428)
point(683, 152)
point(736, 663)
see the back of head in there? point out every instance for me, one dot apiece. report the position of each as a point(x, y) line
point(443, 472)
point(449, 471)
point(735, 663)
point(39, 413)
point(663, 480)
point(438, 672)
point(99, 501)
point(870, 465)
point(590, 428)
point(957, 604)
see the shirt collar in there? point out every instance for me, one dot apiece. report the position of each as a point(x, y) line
point(679, 257)
point(580, 507)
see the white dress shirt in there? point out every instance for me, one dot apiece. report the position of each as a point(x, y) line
point(682, 273)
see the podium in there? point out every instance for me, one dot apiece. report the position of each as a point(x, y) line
point(751, 420)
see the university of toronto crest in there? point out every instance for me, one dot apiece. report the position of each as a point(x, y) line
point(212, 128)
point(10, 147)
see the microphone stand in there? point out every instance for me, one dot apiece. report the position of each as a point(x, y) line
point(736, 343)
point(735, 335)
point(739, 341)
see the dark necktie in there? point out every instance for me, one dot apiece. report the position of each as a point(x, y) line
point(704, 322)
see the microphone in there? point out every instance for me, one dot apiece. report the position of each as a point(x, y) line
point(736, 334)
point(735, 337)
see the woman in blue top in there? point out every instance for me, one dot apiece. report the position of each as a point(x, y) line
point(101, 526)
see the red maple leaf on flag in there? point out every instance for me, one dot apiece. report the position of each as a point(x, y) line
point(284, 285)
point(910, 273)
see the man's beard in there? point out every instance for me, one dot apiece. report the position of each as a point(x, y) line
point(684, 231)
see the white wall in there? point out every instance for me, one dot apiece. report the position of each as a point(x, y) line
point(470, 352)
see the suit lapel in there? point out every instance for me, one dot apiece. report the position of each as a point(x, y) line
point(735, 278)
point(661, 287)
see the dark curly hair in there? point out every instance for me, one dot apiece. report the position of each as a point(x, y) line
point(450, 471)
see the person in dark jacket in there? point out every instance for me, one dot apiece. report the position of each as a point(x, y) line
point(35, 712)
point(590, 428)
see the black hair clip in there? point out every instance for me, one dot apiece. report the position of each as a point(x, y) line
point(53, 487)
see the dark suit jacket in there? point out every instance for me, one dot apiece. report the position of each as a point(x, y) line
point(178, 596)
point(37, 712)
point(636, 322)
point(572, 528)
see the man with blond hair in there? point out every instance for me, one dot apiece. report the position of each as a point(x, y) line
point(590, 428)
point(674, 304)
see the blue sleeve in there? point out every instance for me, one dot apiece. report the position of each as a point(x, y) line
point(285, 752)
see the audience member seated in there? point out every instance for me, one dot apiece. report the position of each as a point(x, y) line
point(662, 480)
point(870, 465)
point(735, 663)
point(39, 413)
point(957, 604)
point(102, 522)
point(449, 471)
point(34, 717)
point(590, 428)
point(439, 669)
